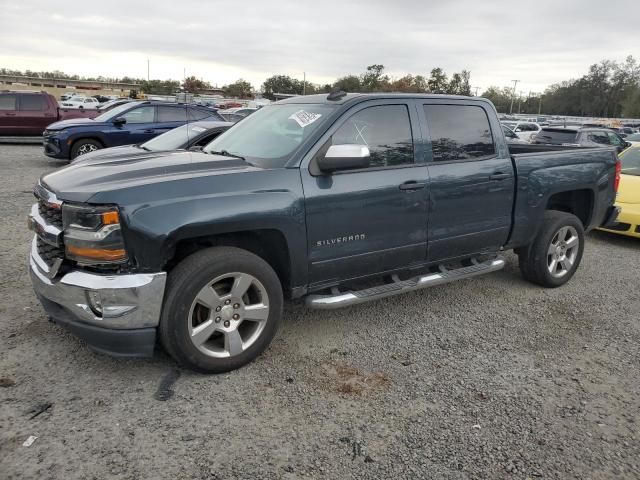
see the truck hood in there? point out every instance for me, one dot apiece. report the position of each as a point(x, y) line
point(629, 191)
point(82, 180)
point(74, 122)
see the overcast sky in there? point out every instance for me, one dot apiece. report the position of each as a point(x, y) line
point(538, 42)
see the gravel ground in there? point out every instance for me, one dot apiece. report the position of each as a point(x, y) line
point(486, 378)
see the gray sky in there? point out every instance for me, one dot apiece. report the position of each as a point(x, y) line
point(538, 42)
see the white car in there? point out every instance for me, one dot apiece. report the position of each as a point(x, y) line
point(524, 130)
point(81, 102)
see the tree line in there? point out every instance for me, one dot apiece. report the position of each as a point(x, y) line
point(374, 80)
point(608, 89)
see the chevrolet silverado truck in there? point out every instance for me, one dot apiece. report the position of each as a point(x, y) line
point(29, 113)
point(340, 199)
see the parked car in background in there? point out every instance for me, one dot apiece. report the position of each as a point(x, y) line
point(342, 198)
point(628, 198)
point(231, 117)
point(81, 102)
point(524, 130)
point(244, 111)
point(106, 106)
point(633, 139)
point(133, 122)
point(67, 95)
point(511, 136)
point(191, 136)
point(29, 113)
point(580, 137)
point(227, 105)
point(101, 98)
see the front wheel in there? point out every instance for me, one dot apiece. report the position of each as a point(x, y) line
point(222, 308)
point(82, 147)
point(555, 254)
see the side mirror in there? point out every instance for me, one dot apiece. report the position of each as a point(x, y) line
point(344, 157)
point(627, 144)
point(119, 121)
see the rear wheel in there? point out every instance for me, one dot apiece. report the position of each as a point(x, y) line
point(555, 254)
point(84, 146)
point(222, 309)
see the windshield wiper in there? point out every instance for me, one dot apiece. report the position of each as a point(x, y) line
point(225, 153)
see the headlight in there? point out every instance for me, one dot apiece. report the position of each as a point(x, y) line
point(92, 235)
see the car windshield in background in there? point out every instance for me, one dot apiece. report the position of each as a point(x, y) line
point(113, 113)
point(556, 136)
point(173, 139)
point(268, 137)
point(631, 162)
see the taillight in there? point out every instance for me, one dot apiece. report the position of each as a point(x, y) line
point(616, 181)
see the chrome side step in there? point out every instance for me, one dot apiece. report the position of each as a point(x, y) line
point(339, 300)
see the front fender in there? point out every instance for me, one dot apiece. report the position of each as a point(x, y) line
point(191, 209)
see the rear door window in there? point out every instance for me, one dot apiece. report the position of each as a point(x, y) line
point(172, 114)
point(8, 102)
point(459, 132)
point(31, 103)
point(196, 114)
point(140, 115)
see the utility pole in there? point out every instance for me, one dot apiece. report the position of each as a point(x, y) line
point(476, 91)
point(520, 100)
point(304, 83)
point(513, 95)
point(540, 105)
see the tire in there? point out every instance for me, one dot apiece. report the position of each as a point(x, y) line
point(217, 330)
point(83, 146)
point(555, 254)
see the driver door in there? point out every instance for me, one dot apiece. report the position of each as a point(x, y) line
point(138, 127)
point(370, 220)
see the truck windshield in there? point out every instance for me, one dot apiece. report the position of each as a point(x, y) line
point(268, 137)
point(631, 162)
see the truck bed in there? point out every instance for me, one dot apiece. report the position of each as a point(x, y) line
point(544, 170)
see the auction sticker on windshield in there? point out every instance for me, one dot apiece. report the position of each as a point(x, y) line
point(303, 118)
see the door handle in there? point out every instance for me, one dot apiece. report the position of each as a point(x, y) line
point(149, 130)
point(500, 176)
point(412, 185)
point(8, 114)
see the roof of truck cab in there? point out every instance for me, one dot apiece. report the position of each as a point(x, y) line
point(324, 97)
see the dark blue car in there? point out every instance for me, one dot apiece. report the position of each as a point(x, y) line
point(131, 123)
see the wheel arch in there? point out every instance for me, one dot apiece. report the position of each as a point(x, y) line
point(269, 244)
point(577, 202)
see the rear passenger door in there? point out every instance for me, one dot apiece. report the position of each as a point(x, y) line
point(472, 181)
point(33, 115)
point(370, 220)
point(170, 117)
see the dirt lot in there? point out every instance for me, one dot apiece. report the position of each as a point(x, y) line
point(487, 378)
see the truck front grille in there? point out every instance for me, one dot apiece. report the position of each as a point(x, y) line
point(53, 216)
point(47, 252)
